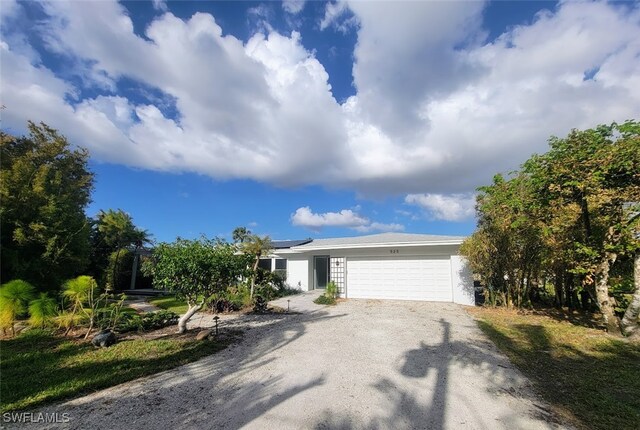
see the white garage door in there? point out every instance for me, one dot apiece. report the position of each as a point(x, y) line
point(400, 278)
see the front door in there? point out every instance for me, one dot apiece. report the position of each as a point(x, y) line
point(320, 271)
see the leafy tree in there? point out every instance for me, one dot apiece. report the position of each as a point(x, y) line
point(590, 180)
point(194, 270)
point(567, 215)
point(505, 250)
point(113, 232)
point(45, 187)
point(42, 310)
point(14, 299)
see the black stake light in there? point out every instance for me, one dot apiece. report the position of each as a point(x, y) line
point(216, 318)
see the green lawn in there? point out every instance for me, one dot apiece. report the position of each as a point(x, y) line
point(170, 303)
point(38, 368)
point(588, 376)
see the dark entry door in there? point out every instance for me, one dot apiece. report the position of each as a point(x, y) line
point(321, 271)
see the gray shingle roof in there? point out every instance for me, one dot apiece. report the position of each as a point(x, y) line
point(382, 239)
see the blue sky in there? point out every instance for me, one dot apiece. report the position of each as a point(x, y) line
point(312, 119)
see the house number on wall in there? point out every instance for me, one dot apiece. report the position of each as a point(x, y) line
point(394, 251)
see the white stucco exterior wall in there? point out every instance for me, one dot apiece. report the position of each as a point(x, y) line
point(462, 281)
point(298, 272)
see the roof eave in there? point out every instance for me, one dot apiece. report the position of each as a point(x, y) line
point(374, 245)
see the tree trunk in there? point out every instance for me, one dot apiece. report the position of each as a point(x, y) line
point(115, 269)
point(568, 290)
point(584, 209)
point(253, 276)
point(89, 330)
point(558, 287)
point(602, 294)
point(182, 322)
point(629, 323)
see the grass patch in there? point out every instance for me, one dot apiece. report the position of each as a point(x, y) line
point(588, 376)
point(170, 303)
point(38, 367)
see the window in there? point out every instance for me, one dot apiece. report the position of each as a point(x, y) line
point(265, 263)
point(281, 264)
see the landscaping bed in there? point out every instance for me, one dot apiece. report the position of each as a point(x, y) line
point(590, 377)
point(38, 366)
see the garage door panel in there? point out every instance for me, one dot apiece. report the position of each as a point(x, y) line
point(400, 278)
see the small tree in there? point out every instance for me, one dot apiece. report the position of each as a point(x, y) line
point(14, 299)
point(255, 247)
point(194, 270)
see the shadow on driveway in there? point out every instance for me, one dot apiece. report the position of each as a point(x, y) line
point(369, 365)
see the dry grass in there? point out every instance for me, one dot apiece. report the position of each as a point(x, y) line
point(589, 377)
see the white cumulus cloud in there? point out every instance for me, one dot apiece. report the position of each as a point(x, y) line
point(438, 108)
point(305, 217)
point(455, 207)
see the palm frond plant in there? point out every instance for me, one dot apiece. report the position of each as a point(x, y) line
point(14, 299)
point(42, 310)
point(84, 294)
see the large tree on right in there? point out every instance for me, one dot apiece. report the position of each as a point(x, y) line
point(569, 215)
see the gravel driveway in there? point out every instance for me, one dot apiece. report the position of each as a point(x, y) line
point(361, 364)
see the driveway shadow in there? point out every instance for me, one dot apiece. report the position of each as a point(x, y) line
point(209, 393)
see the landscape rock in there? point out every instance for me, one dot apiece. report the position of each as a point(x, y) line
point(104, 339)
point(204, 334)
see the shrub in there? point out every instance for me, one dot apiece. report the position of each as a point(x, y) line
point(329, 296)
point(260, 304)
point(42, 310)
point(232, 299)
point(148, 321)
point(108, 315)
point(14, 299)
point(68, 320)
point(84, 294)
point(324, 300)
point(332, 290)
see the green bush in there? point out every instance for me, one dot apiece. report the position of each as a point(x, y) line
point(329, 296)
point(325, 300)
point(232, 299)
point(260, 304)
point(146, 322)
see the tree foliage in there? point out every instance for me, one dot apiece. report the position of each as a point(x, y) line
point(241, 234)
point(45, 187)
point(566, 216)
point(195, 269)
point(114, 232)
